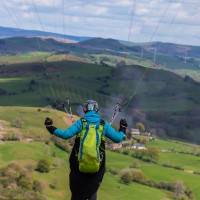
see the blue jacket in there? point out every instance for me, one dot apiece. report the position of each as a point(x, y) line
point(91, 117)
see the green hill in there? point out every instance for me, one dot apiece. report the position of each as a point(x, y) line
point(107, 44)
point(21, 44)
point(166, 103)
point(27, 153)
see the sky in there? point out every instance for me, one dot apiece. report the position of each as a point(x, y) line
point(175, 21)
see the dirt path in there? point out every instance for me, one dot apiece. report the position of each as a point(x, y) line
point(189, 171)
point(68, 120)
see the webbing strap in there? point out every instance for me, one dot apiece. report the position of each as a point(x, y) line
point(97, 139)
point(85, 134)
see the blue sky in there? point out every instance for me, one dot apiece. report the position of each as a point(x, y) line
point(174, 21)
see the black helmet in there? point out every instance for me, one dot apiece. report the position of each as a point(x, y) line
point(90, 105)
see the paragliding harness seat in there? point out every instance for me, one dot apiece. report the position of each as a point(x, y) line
point(89, 148)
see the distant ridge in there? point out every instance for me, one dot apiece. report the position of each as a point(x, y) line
point(14, 32)
point(108, 43)
point(96, 43)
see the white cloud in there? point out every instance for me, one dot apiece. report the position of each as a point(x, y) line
point(124, 3)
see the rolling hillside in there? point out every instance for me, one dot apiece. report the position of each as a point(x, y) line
point(154, 93)
point(26, 153)
point(162, 48)
point(14, 32)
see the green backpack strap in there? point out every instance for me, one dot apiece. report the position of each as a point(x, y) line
point(84, 122)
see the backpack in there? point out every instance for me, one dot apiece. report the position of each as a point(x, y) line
point(89, 150)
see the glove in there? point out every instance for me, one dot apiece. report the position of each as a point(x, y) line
point(123, 125)
point(48, 123)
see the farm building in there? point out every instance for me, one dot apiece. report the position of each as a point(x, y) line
point(138, 146)
point(135, 131)
point(114, 146)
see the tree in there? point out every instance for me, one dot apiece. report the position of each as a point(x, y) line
point(153, 154)
point(179, 190)
point(126, 175)
point(138, 176)
point(140, 126)
point(43, 165)
point(139, 153)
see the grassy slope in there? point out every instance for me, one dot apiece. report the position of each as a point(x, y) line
point(80, 81)
point(111, 188)
point(33, 119)
point(150, 91)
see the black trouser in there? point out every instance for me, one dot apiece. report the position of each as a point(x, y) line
point(93, 197)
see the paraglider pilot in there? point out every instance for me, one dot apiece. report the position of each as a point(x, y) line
point(86, 173)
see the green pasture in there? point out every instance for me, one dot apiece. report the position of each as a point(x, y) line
point(173, 145)
point(111, 188)
point(28, 151)
point(33, 119)
point(31, 153)
point(194, 74)
point(187, 162)
point(147, 89)
point(23, 58)
point(174, 63)
point(80, 81)
point(77, 81)
point(159, 173)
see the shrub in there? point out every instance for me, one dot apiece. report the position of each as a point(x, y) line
point(140, 154)
point(14, 136)
point(152, 154)
point(138, 176)
point(190, 194)
point(196, 172)
point(25, 182)
point(62, 144)
point(151, 183)
point(135, 164)
point(18, 123)
point(125, 152)
point(54, 184)
point(17, 183)
point(113, 170)
point(43, 165)
point(165, 185)
point(37, 186)
point(126, 176)
point(5, 181)
point(179, 190)
point(171, 166)
point(29, 167)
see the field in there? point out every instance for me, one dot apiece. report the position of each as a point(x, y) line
point(32, 152)
point(152, 92)
point(25, 152)
point(80, 81)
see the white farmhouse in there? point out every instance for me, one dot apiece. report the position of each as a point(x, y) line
point(135, 131)
point(138, 146)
